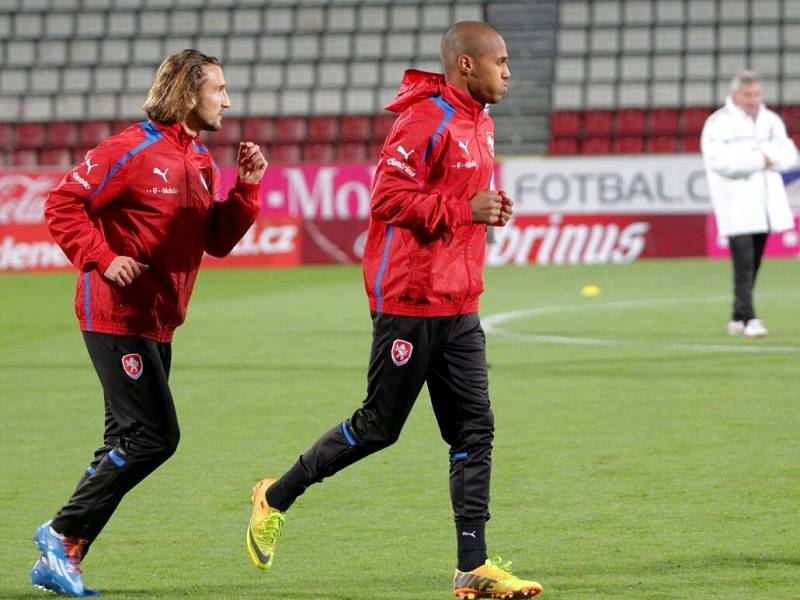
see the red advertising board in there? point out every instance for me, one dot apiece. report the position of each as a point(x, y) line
point(26, 245)
point(334, 242)
point(270, 242)
point(786, 244)
point(596, 239)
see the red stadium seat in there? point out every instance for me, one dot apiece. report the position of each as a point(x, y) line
point(6, 135)
point(351, 152)
point(565, 123)
point(31, 135)
point(79, 154)
point(284, 153)
point(355, 128)
point(118, 126)
point(94, 132)
point(630, 122)
point(628, 145)
point(322, 129)
point(663, 121)
point(693, 119)
point(319, 153)
point(62, 135)
point(791, 118)
point(596, 145)
point(258, 129)
point(374, 151)
point(662, 144)
point(290, 130)
point(691, 143)
point(381, 125)
point(230, 133)
point(597, 123)
point(224, 154)
point(563, 146)
point(55, 157)
point(25, 158)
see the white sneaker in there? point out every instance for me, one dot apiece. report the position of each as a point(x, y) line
point(735, 327)
point(755, 328)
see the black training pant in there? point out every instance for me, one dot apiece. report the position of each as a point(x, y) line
point(746, 252)
point(141, 429)
point(448, 354)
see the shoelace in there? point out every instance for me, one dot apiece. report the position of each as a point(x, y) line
point(502, 569)
point(74, 548)
point(272, 527)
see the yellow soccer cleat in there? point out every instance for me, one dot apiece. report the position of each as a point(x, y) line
point(491, 580)
point(265, 527)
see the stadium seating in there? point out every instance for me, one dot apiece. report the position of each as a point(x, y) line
point(646, 75)
point(310, 74)
point(612, 75)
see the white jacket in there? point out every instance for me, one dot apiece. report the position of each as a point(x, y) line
point(747, 197)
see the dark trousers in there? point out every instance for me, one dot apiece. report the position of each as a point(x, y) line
point(449, 355)
point(746, 252)
point(141, 429)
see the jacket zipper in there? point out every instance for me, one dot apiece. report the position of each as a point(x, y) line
point(184, 273)
point(764, 176)
point(472, 227)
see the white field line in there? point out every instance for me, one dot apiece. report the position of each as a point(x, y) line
point(492, 325)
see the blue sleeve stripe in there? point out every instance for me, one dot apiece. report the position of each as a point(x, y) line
point(459, 455)
point(382, 269)
point(347, 435)
point(116, 458)
point(449, 111)
point(90, 470)
point(152, 135)
point(87, 304)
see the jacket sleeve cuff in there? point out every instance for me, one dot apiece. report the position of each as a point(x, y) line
point(248, 189)
point(105, 260)
point(462, 213)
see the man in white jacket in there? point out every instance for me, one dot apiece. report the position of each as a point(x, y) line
point(745, 147)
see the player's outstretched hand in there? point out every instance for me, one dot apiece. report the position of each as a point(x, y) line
point(487, 206)
point(124, 269)
point(506, 210)
point(251, 162)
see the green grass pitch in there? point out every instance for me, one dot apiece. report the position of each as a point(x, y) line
point(640, 452)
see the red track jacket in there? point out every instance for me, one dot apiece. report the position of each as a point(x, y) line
point(150, 192)
point(424, 257)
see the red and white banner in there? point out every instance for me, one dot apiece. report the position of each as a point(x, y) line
point(596, 239)
point(26, 245)
point(568, 211)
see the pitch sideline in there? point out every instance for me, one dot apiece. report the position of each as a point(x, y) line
point(492, 325)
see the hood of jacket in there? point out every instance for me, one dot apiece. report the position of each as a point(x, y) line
point(418, 85)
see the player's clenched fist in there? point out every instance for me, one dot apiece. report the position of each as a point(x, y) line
point(486, 207)
point(124, 269)
point(505, 211)
point(251, 162)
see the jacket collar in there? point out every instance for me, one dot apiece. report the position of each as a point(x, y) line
point(736, 110)
point(176, 133)
point(419, 85)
